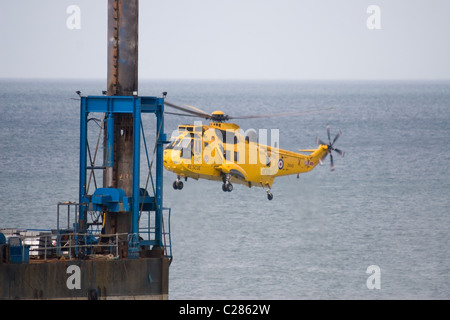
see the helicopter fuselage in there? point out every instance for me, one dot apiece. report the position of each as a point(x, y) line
point(223, 152)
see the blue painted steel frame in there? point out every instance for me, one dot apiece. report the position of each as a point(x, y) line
point(124, 104)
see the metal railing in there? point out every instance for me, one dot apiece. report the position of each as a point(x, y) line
point(49, 246)
point(149, 232)
point(146, 235)
point(69, 205)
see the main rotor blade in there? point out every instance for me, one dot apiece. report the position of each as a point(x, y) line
point(318, 141)
point(282, 114)
point(332, 163)
point(339, 151)
point(181, 114)
point(328, 132)
point(198, 114)
point(196, 109)
point(337, 136)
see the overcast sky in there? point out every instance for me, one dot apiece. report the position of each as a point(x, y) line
point(234, 39)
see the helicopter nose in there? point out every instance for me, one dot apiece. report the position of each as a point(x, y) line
point(168, 160)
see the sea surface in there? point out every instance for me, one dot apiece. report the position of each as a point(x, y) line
point(386, 204)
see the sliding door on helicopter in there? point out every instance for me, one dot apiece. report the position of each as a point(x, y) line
point(186, 148)
point(191, 149)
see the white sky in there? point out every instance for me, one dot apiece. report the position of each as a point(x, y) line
point(233, 39)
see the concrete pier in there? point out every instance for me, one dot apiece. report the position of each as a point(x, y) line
point(142, 278)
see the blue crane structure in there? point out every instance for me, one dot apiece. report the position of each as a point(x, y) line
point(113, 199)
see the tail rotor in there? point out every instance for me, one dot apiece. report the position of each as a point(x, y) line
point(330, 146)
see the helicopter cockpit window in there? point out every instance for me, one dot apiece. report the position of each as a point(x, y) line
point(186, 147)
point(173, 142)
point(185, 142)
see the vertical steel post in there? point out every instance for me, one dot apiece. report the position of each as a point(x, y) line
point(159, 174)
point(136, 164)
point(109, 163)
point(82, 223)
point(122, 80)
point(122, 47)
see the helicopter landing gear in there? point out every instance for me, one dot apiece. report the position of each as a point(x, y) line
point(178, 184)
point(269, 194)
point(227, 186)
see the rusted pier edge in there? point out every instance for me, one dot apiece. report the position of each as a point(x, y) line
point(75, 279)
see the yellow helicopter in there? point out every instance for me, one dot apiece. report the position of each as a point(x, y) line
point(221, 151)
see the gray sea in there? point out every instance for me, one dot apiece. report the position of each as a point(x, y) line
point(385, 207)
